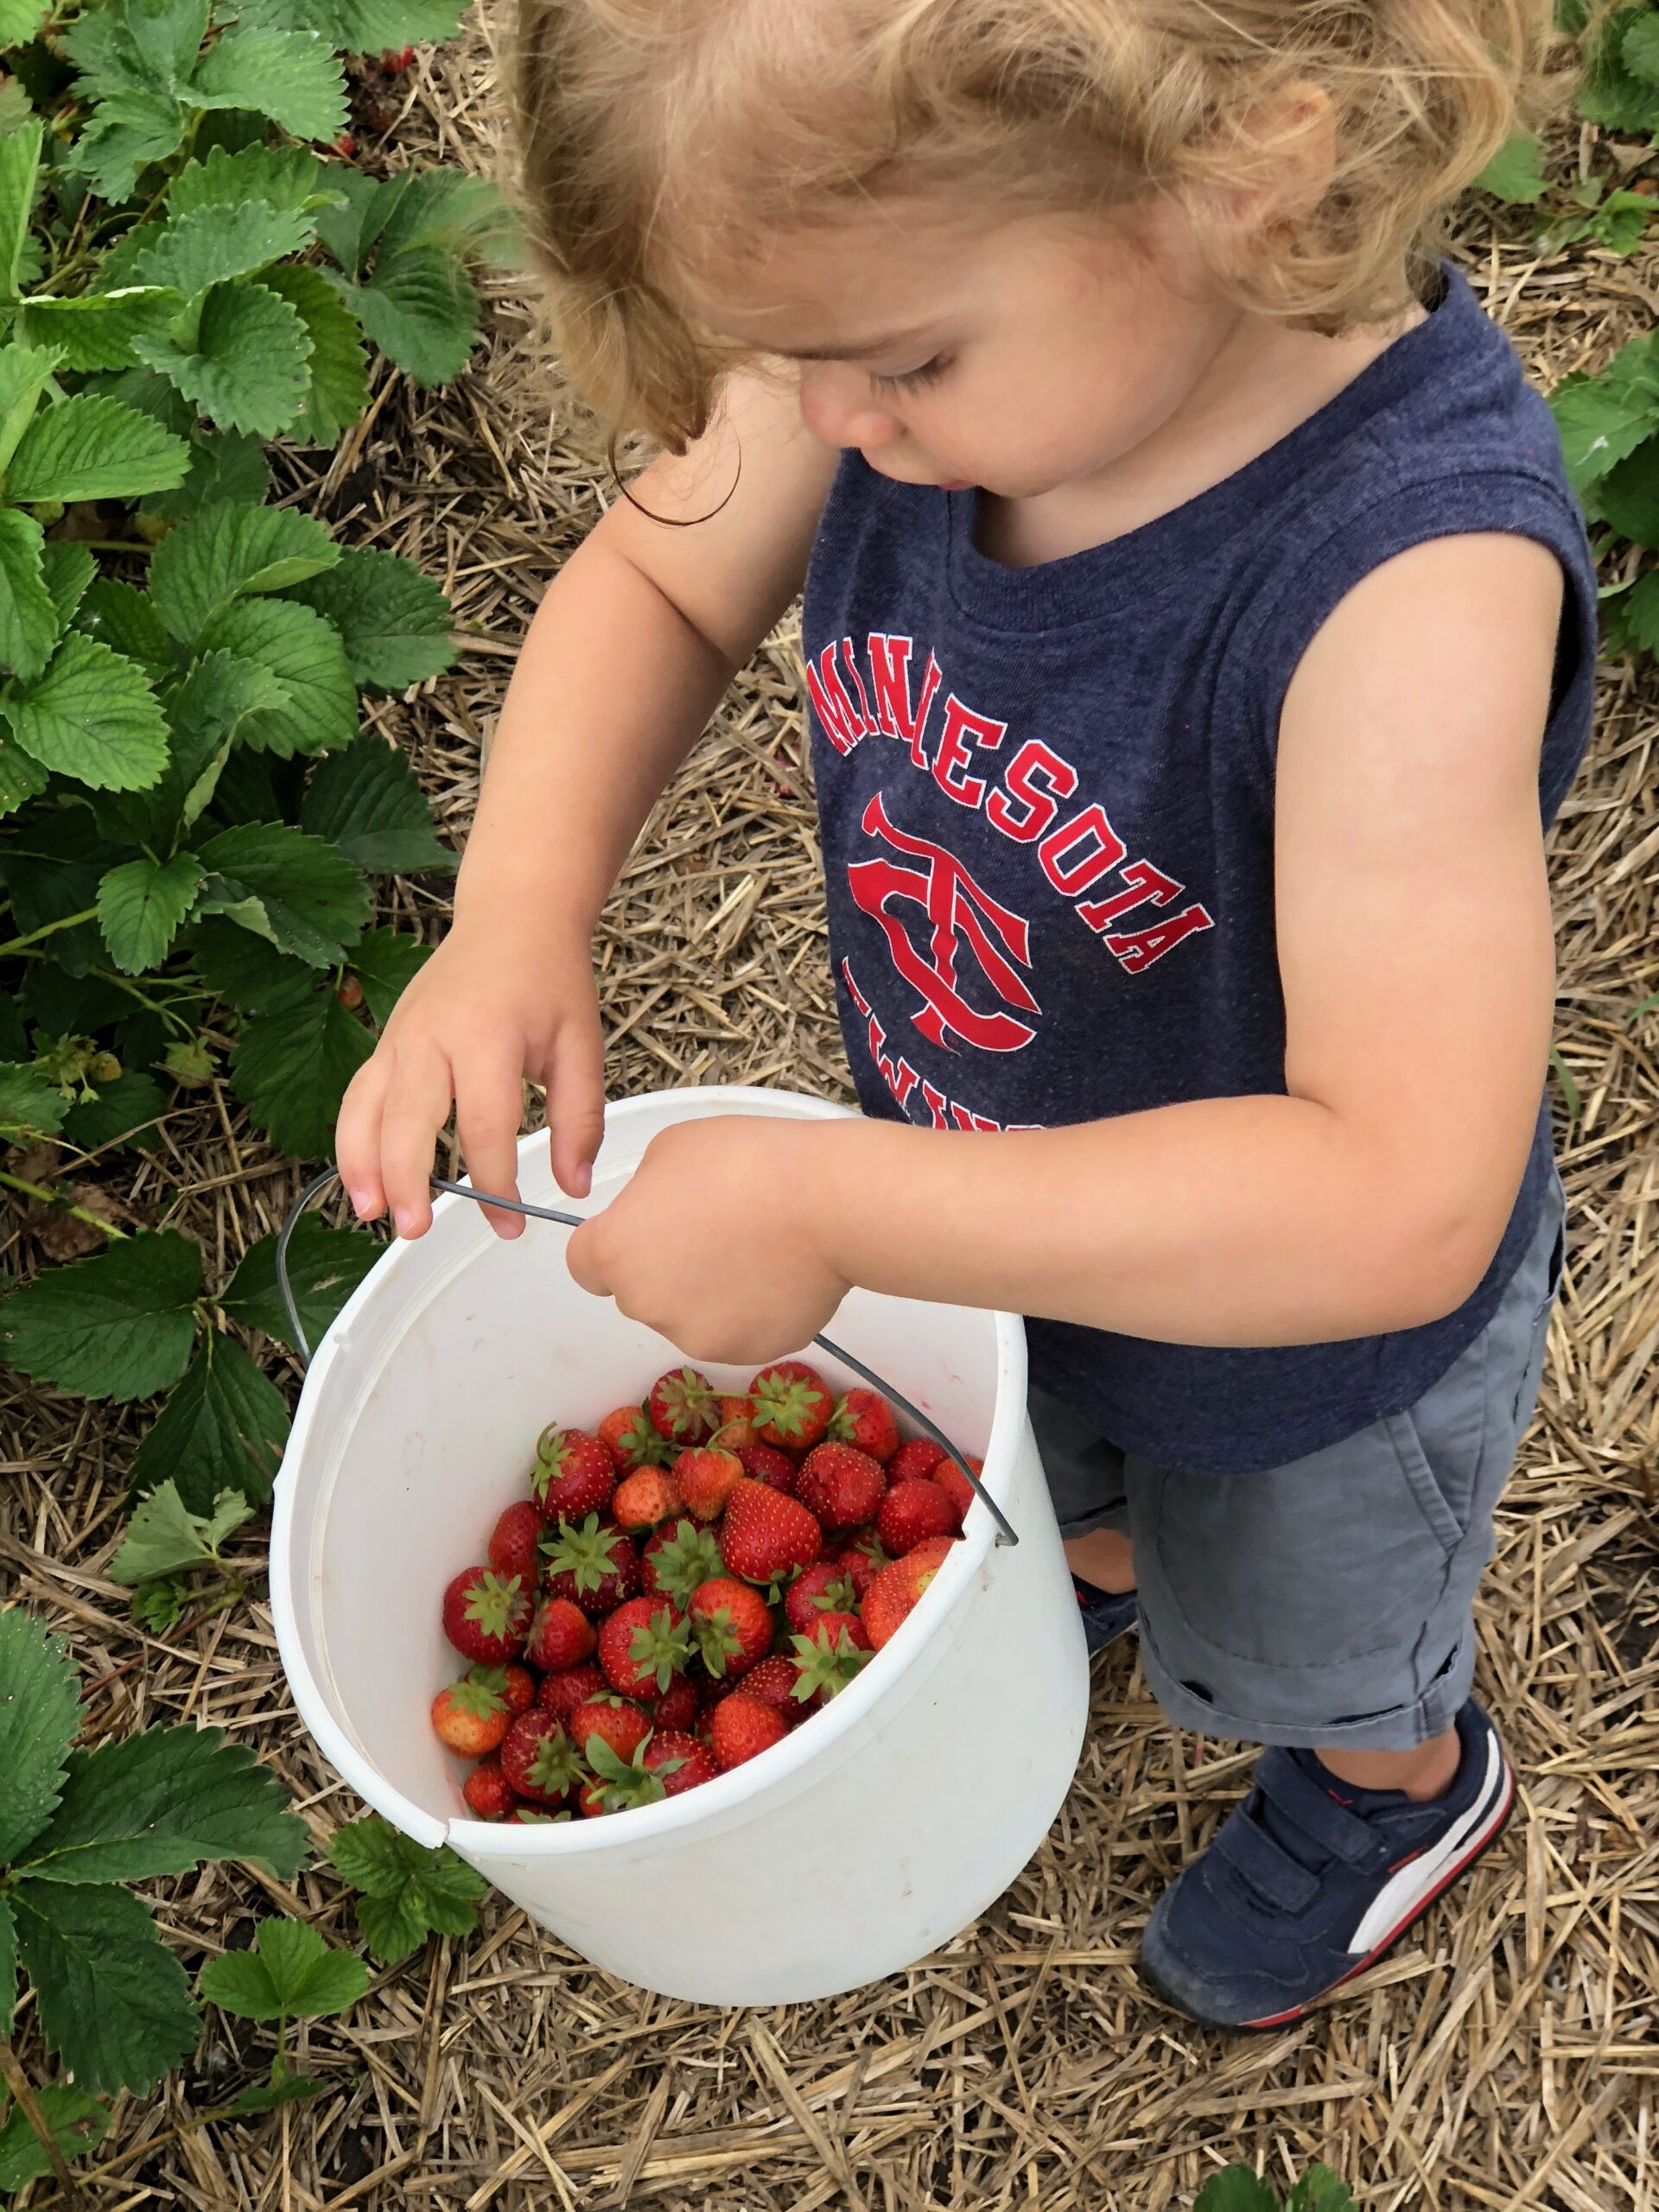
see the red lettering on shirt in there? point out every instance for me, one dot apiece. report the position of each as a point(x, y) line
point(890, 681)
point(1145, 882)
point(953, 755)
point(837, 716)
point(1102, 849)
point(1032, 760)
point(1139, 950)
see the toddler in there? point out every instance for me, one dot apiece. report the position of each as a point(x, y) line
point(1199, 634)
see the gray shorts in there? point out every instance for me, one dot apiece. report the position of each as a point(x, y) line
point(1328, 1601)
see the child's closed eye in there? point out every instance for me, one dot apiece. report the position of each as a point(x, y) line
point(914, 379)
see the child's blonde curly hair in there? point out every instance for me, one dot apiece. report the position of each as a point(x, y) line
point(659, 134)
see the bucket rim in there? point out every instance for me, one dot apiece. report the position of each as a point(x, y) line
point(484, 1839)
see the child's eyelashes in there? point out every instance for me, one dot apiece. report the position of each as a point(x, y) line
point(914, 379)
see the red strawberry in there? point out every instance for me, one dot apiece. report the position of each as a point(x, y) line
point(840, 1485)
point(865, 1418)
point(346, 145)
point(766, 1533)
point(829, 1655)
point(396, 59)
point(824, 1587)
point(705, 1477)
point(562, 1694)
point(694, 1763)
point(573, 1474)
point(513, 1540)
point(733, 1624)
point(916, 1457)
point(488, 1793)
point(486, 1615)
point(677, 1706)
point(911, 1513)
point(740, 1728)
point(623, 1728)
point(643, 1645)
point(539, 1760)
point(766, 1464)
point(676, 1560)
point(683, 1405)
point(792, 1404)
point(620, 1784)
point(736, 1423)
point(635, 1440)
point(643, 1498)
point(561, 1636)
point(862, 1561)
point(773, 1682)
point(470, 1718)
point(515, 1684)
point(896, 1591)
point(956, 1486)
point(595, 1567)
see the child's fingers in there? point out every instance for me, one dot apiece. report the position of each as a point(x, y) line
point(417, 1108)
point(575, 1102)
point(357, 1136)
point(489, 1103)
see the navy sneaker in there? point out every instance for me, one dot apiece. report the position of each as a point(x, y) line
point(1310, 1881)
point(1106, 1613)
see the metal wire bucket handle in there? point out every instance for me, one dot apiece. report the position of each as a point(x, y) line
point(1006, 1533)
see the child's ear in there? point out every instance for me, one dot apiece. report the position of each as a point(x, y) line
point(1276, 169)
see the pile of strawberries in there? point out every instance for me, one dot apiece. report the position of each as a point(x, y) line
point(683, 1585)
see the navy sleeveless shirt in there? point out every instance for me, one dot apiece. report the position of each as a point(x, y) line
point(1045, 797)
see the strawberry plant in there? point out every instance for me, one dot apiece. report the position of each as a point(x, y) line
point(1238, 2189)
point(190, 821)
point(112, 2005)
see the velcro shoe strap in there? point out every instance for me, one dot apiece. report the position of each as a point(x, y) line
point(1269, 1871)
point(1331, 1826)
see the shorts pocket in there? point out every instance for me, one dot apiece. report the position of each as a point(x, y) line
point(1439, 1516)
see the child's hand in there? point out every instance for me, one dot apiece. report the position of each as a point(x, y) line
point(484, 1013)
point(715, 1242)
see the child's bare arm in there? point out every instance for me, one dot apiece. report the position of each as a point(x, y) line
point(628, 655)
point(1414, 947)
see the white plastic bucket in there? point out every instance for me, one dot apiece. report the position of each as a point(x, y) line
point(878, 1829)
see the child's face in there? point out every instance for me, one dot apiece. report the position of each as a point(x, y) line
point(1021, 358)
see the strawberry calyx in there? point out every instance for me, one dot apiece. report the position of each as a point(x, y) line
point(497, 1603)
point(627, 1782)
point(688, 1557)
point(480, 1693)
point(661, 1648)
point(587, 1552)
point(825, 1668)
point(642, 1444)
point(555, 1766)
point(684, 1405)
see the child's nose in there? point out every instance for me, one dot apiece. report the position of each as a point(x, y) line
point(836, 407)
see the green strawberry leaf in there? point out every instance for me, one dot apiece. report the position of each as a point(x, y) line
point(291, 76)
point(225, 465)
point(68, 569)
point(77, 2121)
point(325, 1266)
point(245, 367)
point(165, 1537)
point(386, 962)
point(367, 801)
point(29, 620)
point(305, 654)
point(1516, 173)
point(162, 1802)
point(291, 1069)
point(222, 1429)
point(1320, 2190)
point(20, 159)
point(30, 1105)
point(140, 908)
point(128, 130)
point(122, 617)
point(21, 778)
point(291, 1974)
point(394, 620)
point(91, 447)
point(420, 309)
point(247, 971)
point(92, 715)
point(96, 330)
point(266, 2096)
point(1600, 422)
point(118, 1325)
point(158, 1606)
point(110, 2000)
point(124, 1111)
point(1237, 2190)
point(225, 552)
point(283, 176)
point(40, 1713)
point(371, 26)
point(25, 372)
point(209, 245)
point(407, 1893)
point(312, 902)
point(338, 390)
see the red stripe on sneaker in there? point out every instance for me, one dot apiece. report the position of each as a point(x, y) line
point(1488, 1834)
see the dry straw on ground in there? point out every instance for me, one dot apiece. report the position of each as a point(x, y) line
point(1505, 2058)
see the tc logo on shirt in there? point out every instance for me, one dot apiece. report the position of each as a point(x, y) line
point(958, 914)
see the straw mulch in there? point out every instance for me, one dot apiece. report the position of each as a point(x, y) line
point(1505, 2058)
